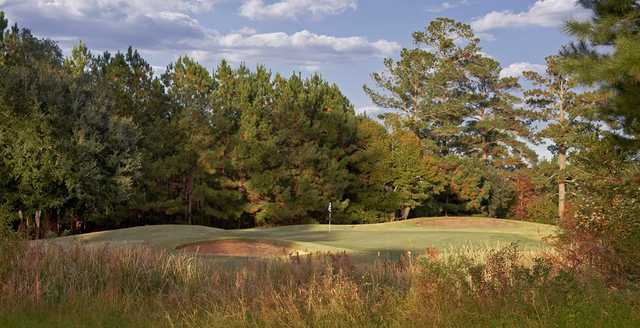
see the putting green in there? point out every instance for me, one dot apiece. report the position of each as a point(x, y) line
point(387, 238)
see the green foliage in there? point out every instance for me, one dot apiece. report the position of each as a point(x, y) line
point(202, 192)
point(433, 70)
point(606, 161)
point(310, 127)
point(475, 188)
point(607, 206)
point(614, 25)
point(555, 102)
point(453, 97)
point(565, 115)
point(468, 186)
point(502, 194)
point(98, 141)
point(6, 219)
point(61, 148)
point(3, 25)
point(543, 209)
point(398, 175)
point(495, 129)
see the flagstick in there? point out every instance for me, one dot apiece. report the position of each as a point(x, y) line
point(329, 216)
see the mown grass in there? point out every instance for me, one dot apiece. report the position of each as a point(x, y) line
point(363, 240)
point(43, 285)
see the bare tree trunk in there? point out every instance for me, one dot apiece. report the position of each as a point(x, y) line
point(21, 218)
point(78, 225)
point(562, 159)
point(37, 219)
point(562, 187)
point(58, 224)
point(28, 224)
point(446, 205)
point(405, 212)
point(485, 145)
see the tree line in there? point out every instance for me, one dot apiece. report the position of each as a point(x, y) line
point(99, 141)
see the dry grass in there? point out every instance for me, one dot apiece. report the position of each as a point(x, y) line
point(146, 287)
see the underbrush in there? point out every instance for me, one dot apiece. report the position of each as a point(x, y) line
point(48, 286)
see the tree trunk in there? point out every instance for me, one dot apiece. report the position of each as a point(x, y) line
point(485, 153)
point(28, 229)
point(23, 225)
point(37, 219)
point(562, 187)
point(485, 144)
point(78, 225)
point(58, 223)
point(405, 212)
point(562, 158)
point(446, 205)
point(51, 222)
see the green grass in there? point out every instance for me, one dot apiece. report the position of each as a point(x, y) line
point(387, 239)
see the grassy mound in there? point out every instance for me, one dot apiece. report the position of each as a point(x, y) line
point(385, 239)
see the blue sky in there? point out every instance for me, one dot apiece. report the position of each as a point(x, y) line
point(344, 40)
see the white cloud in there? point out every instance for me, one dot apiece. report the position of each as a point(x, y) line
point(167, 29)
point(291, 9)
point(109, 24)
point(305, 49)
point(516, 69)
point(306, 40)
point(543, 13)
point(447, 5)
point(111, 8)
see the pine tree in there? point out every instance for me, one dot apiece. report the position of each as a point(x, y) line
point(606, 58)
point(564, 113)
point(294, 150)
point(615, 25)
point(427, 84)
point(195, 164)
point(495, 129)
point(3, 25)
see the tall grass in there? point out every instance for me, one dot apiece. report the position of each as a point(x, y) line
point(50, 286)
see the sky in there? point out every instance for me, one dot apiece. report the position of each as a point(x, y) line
point(343, 40)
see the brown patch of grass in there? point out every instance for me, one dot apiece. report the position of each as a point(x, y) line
point(239, 248)
point(457, 223)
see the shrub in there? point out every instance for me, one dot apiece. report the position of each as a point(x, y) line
point(543, 209)
point(604, 233)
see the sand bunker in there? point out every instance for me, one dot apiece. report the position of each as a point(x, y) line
point(456, 223)
point(239, 248)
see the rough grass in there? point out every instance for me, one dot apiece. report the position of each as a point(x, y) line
point(140, 286)
point(388, 240)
